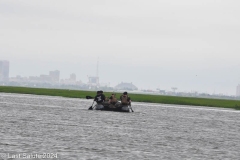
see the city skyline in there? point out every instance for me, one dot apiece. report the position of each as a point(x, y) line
point(72, 78)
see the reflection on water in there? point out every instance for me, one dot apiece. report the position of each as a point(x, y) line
point(64, 126)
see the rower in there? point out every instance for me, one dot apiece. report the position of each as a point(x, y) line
point(113, 100)
point(99, 98)
point(125, 99)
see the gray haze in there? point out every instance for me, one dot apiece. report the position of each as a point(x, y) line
point(189, 44)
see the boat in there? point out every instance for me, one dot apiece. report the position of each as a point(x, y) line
point(108, 107)
point(118, 107)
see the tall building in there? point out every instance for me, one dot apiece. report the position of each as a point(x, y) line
point(73, 77)
point(238, 91)
point(55, 75)
point(4, 70)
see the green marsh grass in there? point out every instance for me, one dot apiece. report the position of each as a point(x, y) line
point(223, 103)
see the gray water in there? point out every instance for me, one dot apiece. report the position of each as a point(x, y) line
point(63, 128)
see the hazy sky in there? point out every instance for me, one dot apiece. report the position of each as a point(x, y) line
point(188, 44)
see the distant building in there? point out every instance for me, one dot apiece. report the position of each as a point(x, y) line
point(54, 76)
point(70, 81)
point(73, 77)
point(93, 81)
point(18, 79)
point(238, 91)
point(45, 78)
point(162, 91)
point(126, 86)
point(4, 70)
point(51, 78)
point(34, 79)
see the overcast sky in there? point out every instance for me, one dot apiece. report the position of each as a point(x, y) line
point(193, 45)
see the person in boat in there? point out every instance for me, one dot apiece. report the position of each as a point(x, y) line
point(125, 99)
point(105, 103)
point(113, 100)
point(99, 98)
point(101, 92)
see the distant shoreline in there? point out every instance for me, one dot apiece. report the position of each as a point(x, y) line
point(220, 103)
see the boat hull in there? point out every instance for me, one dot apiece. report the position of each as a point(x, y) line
point(108, 108)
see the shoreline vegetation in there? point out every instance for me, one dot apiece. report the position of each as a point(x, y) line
point(220, 103)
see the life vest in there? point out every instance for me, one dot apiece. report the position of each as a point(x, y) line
point(124, 99)
point(114, 99)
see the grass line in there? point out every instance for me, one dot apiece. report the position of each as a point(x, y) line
point(223, 103)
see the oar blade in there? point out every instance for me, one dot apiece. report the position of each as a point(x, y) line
point(90, 108)
point(89, 97)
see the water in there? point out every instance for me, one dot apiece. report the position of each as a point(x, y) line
point(65, 129)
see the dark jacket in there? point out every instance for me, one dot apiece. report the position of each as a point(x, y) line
point(99, 98)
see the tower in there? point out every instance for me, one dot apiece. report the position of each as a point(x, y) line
point(94, 80)
point(238, 91)
point(97, 67)
point(4, 71)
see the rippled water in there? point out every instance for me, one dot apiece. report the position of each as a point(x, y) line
point(33, 124)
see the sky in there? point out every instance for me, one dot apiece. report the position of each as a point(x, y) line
point(189, 44)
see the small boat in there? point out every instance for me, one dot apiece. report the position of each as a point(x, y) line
point(118, 107)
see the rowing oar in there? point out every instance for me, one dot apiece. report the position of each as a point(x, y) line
point(91, 107)
point(89, 97)
point(131, 106)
